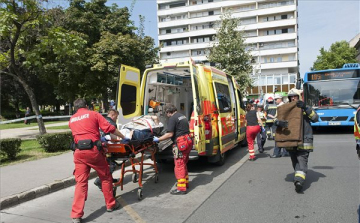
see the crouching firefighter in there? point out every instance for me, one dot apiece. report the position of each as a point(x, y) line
point(88, 154)
point(178, 131)
point(300, 154)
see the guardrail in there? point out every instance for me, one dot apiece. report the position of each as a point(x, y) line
point(40, 116)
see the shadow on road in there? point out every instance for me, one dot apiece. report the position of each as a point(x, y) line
point(333, 130)
point(200, 173)
point(311, 177)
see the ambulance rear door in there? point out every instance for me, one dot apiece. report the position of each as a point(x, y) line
point(226, 117)
point(198, 85)
point(128, 94)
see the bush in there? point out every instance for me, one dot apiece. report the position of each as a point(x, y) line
point(54, 142)
point(10, 147)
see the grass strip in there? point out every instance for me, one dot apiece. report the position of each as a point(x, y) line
point(30, 150)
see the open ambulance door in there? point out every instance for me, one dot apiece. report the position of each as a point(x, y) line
point(128, 94)
point(226, 116)
point(199, 125)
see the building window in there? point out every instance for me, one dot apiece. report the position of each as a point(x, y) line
point(168, 53)
point(283, 16)
point(168, 31)
point(284, 30)
point(211, 12)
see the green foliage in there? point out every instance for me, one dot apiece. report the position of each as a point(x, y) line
point(10, 147)
point(339, 54)
point(229, 53)
point(54, 142)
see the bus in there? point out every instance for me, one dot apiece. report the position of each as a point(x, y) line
point(334, 94)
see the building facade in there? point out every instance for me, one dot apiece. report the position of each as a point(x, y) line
point(355, 42)
point(186, 29)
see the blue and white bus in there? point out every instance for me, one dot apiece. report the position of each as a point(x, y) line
point(334, 94)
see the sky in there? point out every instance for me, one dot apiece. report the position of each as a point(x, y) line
point(321, 23)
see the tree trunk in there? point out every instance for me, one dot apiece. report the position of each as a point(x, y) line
point(105, 101)
point(33, 101)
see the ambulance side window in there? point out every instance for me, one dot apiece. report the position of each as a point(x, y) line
point(240, 100)
point(223, 96)
point(128, 99)
point(196, 83)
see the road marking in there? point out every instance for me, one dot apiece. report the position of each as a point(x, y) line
point(129, 210)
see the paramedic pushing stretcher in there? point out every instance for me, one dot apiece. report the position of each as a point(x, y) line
point(88, 153)
point(178, 131)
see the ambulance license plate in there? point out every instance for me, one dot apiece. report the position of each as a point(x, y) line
point(334, 123)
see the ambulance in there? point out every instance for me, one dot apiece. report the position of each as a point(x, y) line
point(211, 97)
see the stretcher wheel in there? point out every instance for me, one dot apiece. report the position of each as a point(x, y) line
point(140, 194)
point(134, 178)
point(156, 178)
point(114, 191)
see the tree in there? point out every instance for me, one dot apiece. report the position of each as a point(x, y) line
point(18, 20)
point(339, 54)
point(229, 53)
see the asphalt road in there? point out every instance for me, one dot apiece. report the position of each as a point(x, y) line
point(239, 191)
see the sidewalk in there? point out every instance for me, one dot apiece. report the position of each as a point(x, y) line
point(25, 181)
point(30, 132)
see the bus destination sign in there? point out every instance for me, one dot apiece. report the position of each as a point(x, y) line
point(333, 75)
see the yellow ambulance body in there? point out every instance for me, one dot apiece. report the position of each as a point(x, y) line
point(208, 95)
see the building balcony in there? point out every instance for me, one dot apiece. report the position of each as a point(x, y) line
point(192, 33)
point(271, 38)
point(191, 46)
point(275, 51)
point(268, 25)
point(276, 65)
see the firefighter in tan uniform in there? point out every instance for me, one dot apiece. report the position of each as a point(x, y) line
point(300, 154)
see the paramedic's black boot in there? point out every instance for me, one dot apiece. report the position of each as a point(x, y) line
point(76, 220)
point(115, 180)
point(298, 186)
point(177, 192)
point(97, 182)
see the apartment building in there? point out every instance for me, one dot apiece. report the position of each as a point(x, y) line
point(186, 29)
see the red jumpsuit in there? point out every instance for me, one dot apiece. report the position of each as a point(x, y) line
point(180, 169)
point(85, 124)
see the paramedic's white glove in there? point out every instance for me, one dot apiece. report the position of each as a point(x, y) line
point(156, 139)
point(108, 137)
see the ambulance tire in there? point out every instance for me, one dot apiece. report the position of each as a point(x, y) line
point(218, 159)
point(222, 158)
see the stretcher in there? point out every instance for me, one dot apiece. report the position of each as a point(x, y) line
point(120, 153)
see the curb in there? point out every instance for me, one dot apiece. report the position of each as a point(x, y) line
point(25, 196)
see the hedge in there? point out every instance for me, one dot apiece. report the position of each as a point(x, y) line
point(54, 142)
point(10, 147)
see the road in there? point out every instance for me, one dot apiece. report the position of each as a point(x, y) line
point(239, 191)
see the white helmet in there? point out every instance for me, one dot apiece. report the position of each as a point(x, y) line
point(294, 92)
point(277, 96)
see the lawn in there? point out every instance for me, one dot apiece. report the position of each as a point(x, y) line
point(30, 150)
point(22, 125)
point(59, 127)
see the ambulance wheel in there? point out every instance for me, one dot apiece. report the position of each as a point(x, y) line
point(134, 178)
point(222, 159)
point(139, 194)
point(156, 177)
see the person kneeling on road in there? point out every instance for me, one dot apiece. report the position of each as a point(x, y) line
point(178, 131)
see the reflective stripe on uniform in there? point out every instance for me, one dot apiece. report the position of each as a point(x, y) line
point(300, 174)
point(306, 146)
point(312, 114)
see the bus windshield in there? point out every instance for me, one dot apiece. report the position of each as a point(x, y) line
point(332, 93)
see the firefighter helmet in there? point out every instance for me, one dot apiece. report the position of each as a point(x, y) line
point(294, 92)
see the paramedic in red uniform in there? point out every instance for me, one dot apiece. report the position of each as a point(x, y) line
point(178, 131)
point(85, 125)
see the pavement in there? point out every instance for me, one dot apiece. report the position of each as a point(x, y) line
point(29, 180)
